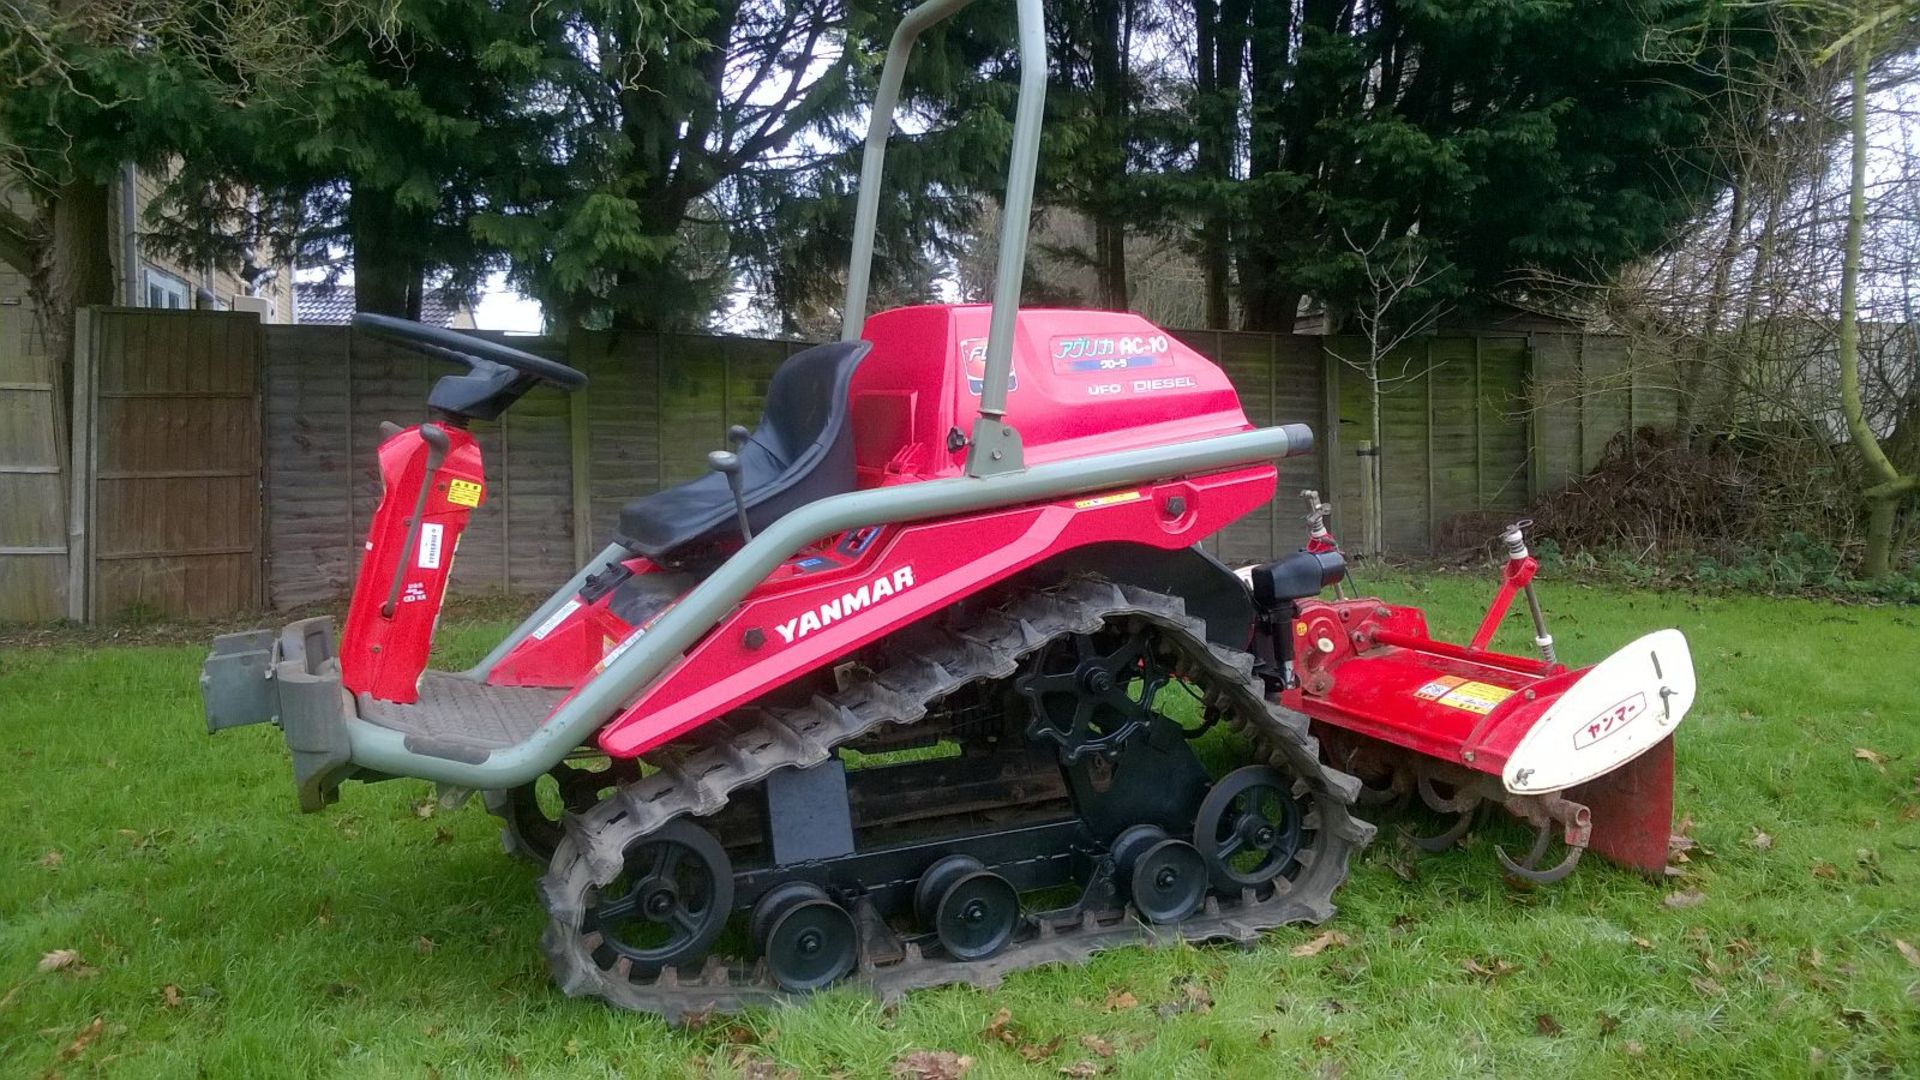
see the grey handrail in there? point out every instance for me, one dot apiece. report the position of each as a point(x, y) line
point(995, 446)
point(384, 750)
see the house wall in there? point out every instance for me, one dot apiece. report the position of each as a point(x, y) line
point(227, 287)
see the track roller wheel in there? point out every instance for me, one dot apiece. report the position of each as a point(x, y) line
point(670, 901)
point(1249, 828)
point(941, 876)
point(1166, 878)
point(808, 941)
point(977, 915)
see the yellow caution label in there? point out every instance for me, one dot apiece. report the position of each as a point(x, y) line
point(1109, 500)
point(1458, 693)
point(463, 493)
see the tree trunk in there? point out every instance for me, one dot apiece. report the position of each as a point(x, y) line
point(1221, 35)
point(1883, 497)
point(386, 272)
point(1695, 380)
point(78, 263)
point(1110, 251)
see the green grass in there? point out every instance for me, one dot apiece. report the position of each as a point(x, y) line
point(369, 941)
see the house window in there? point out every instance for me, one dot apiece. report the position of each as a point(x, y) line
point(166, 291)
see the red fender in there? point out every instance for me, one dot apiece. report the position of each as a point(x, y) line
point(799, 623)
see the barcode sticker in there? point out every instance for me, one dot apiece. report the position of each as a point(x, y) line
point(430, 546)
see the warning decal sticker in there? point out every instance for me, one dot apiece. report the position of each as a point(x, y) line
point(463, 493)
point(1458, 693)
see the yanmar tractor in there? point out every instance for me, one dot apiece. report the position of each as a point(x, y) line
point(928, 680)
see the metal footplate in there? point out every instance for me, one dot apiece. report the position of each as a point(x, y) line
point(291, 679)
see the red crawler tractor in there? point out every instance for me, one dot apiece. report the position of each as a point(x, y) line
point(927, 681)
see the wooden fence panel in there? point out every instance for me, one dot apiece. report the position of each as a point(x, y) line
point(175, 464)
point(313, 479)
point(1608, 380)
point(1556, 393)
point(623, 407)
point(1503, 448)
point(33, 482)
point(1453, 437)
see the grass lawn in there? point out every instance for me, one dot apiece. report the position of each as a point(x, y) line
point(219, 932)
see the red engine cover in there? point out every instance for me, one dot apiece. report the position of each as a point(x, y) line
point(1083, 383)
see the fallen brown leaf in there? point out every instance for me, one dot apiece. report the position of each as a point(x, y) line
point(1199, 999)
point(86, 1038)
point(52, 860)
point(59, 960)
point(424, 809)
point(1497, 969)
point(423, 945)
point(1875, 757)
point(1761, 841)
point(1643, 943)
point(1825, 870)
point(1096, 1045)
point(932, 1065)
point(1121, 999)
point(1686, 898)
point(1320, 944)
point(442, 836)
point(996, 1028)
point(1912, 954)
point(1080, 1069)
point(1037, 1052)
point(170, 996)
point(1634, 1049)
point(1707, 987)
point(1685, 826)
point(1545, 1024)
point(1609, 1023)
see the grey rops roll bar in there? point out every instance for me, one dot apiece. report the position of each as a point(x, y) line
point(995, 446)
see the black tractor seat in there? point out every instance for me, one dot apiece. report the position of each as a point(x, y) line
point(802, 451)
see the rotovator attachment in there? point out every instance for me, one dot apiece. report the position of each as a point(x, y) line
point(1586, 753)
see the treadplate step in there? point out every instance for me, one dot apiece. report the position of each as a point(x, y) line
point(466, 712)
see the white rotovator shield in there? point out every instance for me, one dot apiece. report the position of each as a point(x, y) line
point(1618, 710)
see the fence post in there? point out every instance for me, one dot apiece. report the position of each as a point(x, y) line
point(80, 503)
point(579, 451)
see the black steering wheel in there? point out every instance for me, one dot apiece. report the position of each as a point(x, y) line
point(497, 375)
point(464, 349)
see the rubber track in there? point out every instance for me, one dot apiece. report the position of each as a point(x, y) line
point(747, 746)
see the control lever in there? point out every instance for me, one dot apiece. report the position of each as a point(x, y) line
point(728, 462)
point(739, 436)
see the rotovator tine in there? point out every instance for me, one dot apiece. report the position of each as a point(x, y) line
point(1585, 754)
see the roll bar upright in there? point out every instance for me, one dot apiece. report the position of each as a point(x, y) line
point(995, 446)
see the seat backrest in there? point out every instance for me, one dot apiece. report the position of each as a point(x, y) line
point(805, 393)
point(802, 451)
